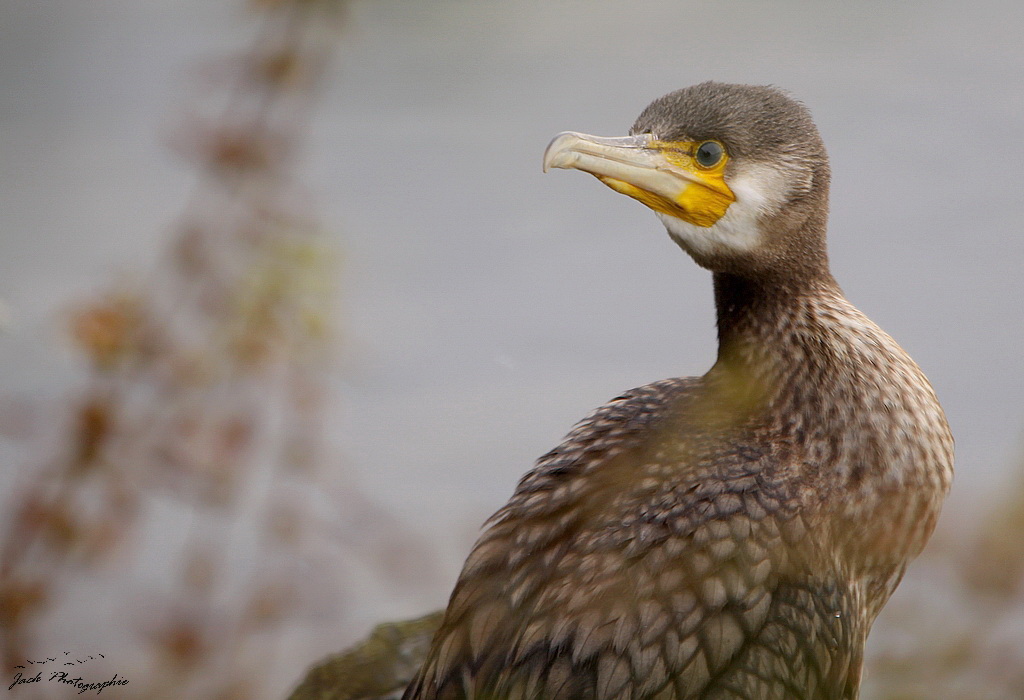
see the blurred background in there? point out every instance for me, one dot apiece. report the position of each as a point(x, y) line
point(287, 306)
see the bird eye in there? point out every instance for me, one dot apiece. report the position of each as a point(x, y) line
point(709, 154)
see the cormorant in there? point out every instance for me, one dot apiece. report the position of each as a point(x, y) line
point(732, 535)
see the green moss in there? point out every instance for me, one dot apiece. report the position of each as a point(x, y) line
point(381, 665)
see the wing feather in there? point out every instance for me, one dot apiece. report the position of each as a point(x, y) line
point(661, 574)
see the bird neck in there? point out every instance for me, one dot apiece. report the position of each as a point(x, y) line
point(797, 355)
point(759, 312)
point(758, 298)
point(774, 330)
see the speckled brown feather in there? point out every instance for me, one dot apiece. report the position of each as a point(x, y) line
point(726, 536)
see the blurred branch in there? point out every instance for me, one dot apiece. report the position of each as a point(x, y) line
point(206, 385)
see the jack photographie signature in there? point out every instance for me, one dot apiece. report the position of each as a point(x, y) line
point(66, 677)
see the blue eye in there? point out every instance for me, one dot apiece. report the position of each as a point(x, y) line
point(709, 154)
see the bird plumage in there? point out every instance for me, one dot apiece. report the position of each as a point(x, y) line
point(726, 536)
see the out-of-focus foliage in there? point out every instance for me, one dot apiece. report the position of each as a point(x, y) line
point(201, 413)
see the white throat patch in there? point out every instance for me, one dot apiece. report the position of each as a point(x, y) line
point(760, 190)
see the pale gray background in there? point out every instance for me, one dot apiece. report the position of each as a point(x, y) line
point(486, 306)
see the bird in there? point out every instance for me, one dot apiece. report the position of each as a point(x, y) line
point(730, 535)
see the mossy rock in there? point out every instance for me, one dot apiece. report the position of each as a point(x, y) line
point(378, 668)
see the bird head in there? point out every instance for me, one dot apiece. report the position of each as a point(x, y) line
point(737, 173)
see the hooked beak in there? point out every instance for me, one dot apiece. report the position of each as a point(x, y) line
point(662, 175)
